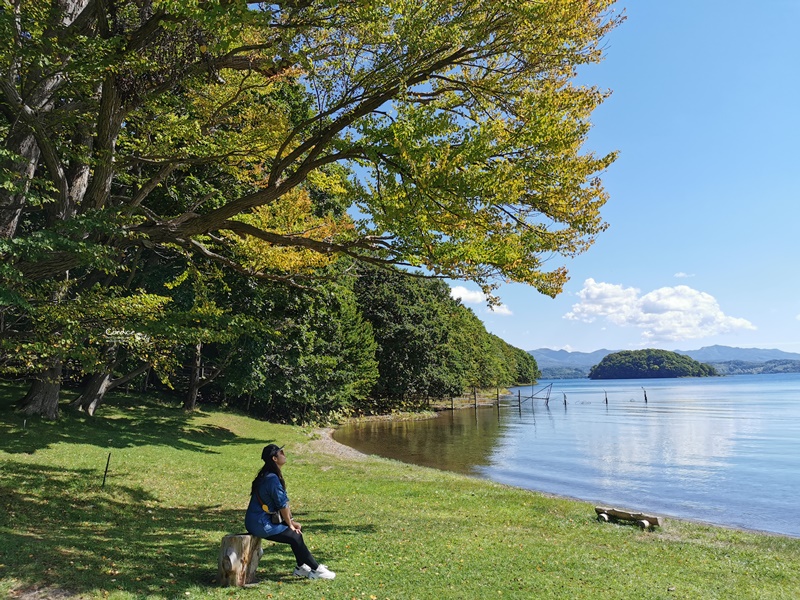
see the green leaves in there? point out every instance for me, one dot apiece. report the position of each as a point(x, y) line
point(462, 117)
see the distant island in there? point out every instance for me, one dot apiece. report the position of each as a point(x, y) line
point(727, 360)
point(649, 364)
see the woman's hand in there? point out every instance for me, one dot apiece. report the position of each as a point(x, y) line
point(295, 526)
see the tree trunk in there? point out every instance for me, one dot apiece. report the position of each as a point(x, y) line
point(100, 384)
point(21, 141)
point(42, 398)
point(94, 393)
point(108, 127)
point(146, 380)
point(238, 559)
point(194, 379)
point(22, 144)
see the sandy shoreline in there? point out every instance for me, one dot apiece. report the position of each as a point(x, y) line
point(327, 445)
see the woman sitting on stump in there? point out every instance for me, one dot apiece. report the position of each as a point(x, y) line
point(269, 517)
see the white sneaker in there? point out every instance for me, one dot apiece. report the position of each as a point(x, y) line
point(302, 571)
point(321, 572)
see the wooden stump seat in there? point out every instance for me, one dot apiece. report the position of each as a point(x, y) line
point(238, 559)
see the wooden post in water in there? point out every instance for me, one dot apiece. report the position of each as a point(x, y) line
point(606, 393)
point(475, 395)
point(519, 398)
point(645, 395)
point(565, 398)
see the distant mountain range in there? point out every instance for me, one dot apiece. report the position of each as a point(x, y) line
point(711, 354)
point(561, 364)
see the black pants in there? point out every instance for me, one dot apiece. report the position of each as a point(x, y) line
point(295, 540)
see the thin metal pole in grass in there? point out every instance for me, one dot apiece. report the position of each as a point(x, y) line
point(108, 462)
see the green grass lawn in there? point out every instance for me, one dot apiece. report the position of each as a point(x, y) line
point(178, 483)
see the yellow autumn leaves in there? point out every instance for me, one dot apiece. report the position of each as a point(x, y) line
point(291, 216)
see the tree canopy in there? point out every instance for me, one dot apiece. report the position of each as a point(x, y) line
point(268, 139)
point(649, 364)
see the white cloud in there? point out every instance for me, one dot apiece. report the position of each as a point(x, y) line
point(666, 314)
point(476, 297)
point(501, 309)
point(467, 296)
point(682, 275)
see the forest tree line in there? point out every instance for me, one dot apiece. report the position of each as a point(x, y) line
point(369, 339)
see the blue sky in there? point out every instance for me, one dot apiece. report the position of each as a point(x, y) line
point(704, 208)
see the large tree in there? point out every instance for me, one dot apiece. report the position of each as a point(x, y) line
point(460, 120)
point(412, 323)
point(317, 359)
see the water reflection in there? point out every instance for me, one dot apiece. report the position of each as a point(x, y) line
point(725, 451)
point(460, 441)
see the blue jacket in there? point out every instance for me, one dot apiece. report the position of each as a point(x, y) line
point(256, 521)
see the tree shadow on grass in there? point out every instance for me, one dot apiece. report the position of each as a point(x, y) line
point(321, 525)
point(87, 538)
point(135, 420)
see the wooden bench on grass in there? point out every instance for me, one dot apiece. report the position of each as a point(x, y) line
point(644, 521)
point(238, 559)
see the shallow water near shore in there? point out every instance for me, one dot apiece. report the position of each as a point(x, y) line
point(721, 450)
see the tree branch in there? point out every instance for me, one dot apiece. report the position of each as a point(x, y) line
point(152, 184)
point(125, 379)
point(82, 23)
point(368, 244)
point(196, 246)
point(46, 146)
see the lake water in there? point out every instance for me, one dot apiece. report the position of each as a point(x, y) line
point(721, 450)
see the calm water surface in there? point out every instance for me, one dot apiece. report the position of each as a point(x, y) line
point(721, 450)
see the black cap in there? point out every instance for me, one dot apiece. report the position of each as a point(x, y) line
point(269, 451)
